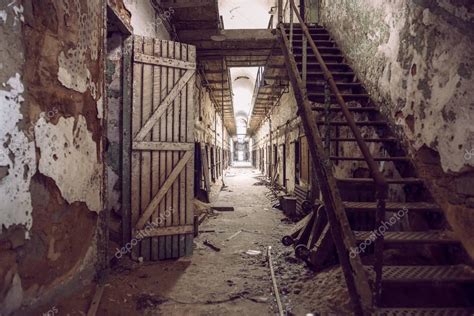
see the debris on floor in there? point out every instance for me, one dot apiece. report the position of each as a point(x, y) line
point(211, 245)
point(251, 252)
point(223, 208)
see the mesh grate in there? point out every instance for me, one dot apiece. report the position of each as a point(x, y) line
point(392, 206)
point(407, 274)
point(424, 312)
point(409, 237)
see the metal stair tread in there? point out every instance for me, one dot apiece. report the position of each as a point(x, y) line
point(441, 311)
point(392, 206)
point(344, 95)
point(344, 123)
point(334, 73)
point(423, 273)
point(375, 158)
point(408, 180)
point(369, 140)
point(350, 108)
point(432, 236)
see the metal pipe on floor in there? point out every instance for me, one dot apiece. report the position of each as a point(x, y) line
point(275, 286)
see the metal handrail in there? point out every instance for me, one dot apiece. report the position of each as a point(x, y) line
point(270, 22)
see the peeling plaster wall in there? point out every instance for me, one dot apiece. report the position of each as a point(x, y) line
point(17, 159)
point(51, 76)
point(286, 129)
point(205, 118)
point(416, 59)
point(114, 120)
point(69, 157)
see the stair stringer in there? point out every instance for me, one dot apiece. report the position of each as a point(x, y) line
point(355, 275)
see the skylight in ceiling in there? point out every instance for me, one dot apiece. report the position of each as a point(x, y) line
point(245, 14)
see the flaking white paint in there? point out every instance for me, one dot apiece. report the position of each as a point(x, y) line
point(69, 157)
point(430, 99)
point(72, 71)
point(100, 108)
point(3, 16)
point(17, 154)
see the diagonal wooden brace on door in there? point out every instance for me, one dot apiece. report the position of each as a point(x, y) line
point(163, 105)
point(163, 190)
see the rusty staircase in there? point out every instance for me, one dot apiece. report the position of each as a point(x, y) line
point(335, 109)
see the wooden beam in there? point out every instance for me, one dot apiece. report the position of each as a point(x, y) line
point(243, 52)
point(163, 190)
point(127, 139)
point(181, 4)
point(99, 290)
point(162, 146)
point(114, 16)
point(164, 104)
point(163, 61)
point(164, 231)
point(235, 35)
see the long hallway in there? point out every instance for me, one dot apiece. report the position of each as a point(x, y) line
point(152, 152)
point(233, 281)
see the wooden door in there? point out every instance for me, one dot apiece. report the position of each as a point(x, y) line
point(162, 148)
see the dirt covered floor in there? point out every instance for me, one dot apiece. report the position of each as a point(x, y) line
point(225, 282)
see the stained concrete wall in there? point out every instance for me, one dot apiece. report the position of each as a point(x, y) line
point(207, 120)
point(286, 129)
point(416, 60)
point(51, 140)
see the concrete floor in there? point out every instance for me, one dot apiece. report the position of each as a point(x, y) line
point(227, 282)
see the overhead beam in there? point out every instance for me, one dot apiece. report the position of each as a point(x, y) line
point(246, 36)
point(181, 4)
point(240, 52)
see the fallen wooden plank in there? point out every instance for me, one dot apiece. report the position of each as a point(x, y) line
point(223, 208)
point(289, 238)
point(99, 290)
point(275, 286)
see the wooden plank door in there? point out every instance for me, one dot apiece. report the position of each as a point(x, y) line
point(162, 148)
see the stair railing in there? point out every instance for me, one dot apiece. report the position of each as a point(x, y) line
point(381, 185)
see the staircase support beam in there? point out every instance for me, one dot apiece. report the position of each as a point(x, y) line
point(344, 239)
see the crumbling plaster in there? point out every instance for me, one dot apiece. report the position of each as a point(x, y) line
point(415, 58)
point(69, 156)
point(206, 120)
point(286, 129)
point(17, 156)
point(35, 103)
